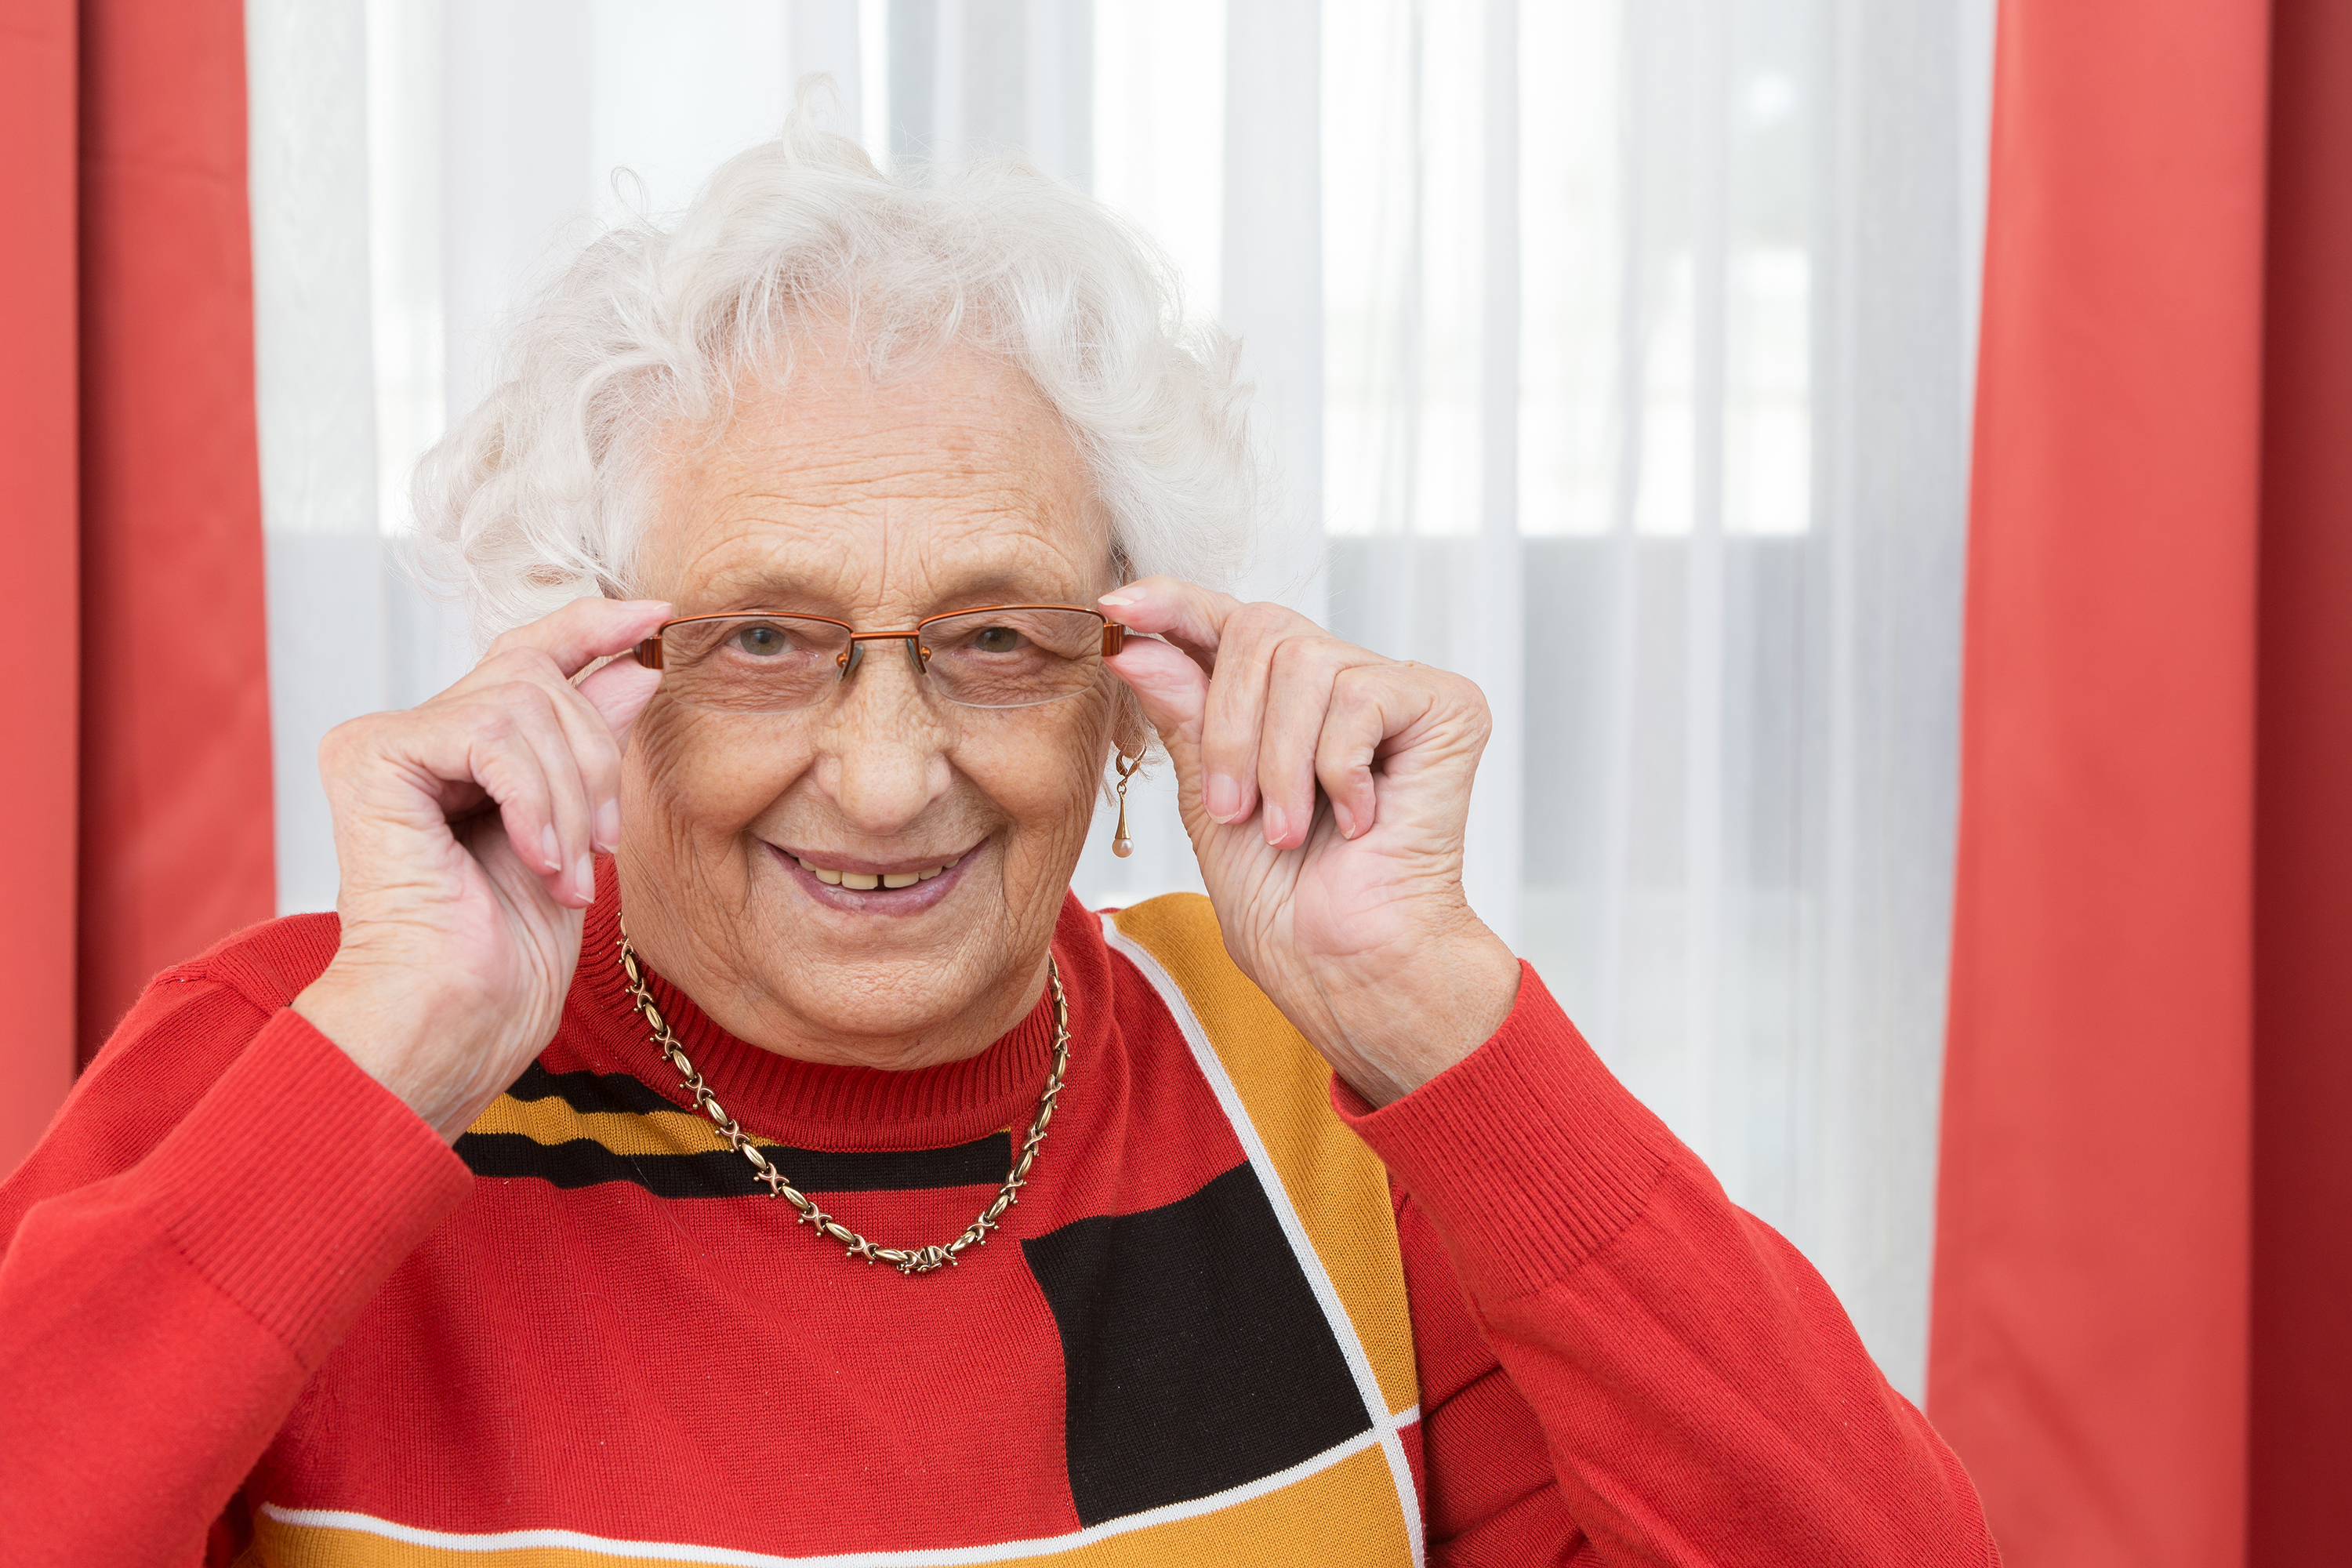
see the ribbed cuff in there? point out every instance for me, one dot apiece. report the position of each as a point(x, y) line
point(1528, 1155)
point(298, 1183)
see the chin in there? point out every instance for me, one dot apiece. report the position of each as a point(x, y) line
point(883, 995)
point(883, 960)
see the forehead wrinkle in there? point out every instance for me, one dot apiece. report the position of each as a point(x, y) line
point(868, 495)
point(1037, 560)
point(910, 573)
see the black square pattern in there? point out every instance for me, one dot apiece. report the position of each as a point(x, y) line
point(1197, 1357)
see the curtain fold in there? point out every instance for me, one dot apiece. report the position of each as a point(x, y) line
point(2300, 1452)
point(138, 786)
point(175, 835)
point(40, 702)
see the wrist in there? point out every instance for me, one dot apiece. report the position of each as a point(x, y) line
point(398, 1032)
point(1390, 1026)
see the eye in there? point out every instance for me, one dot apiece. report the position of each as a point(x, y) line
point(762, 641)
point(997, 639)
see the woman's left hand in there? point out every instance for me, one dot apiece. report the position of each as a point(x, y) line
point(1346, 910)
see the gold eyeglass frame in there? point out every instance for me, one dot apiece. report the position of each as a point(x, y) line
point(649, 653)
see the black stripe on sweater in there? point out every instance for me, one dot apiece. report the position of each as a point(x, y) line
point(722, 1174)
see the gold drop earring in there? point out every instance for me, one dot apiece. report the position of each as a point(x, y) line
point(1121, 844)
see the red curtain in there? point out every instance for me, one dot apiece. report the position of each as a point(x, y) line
point(140, 793)
point(2139, 1320)
point(41, 699)
point(2300, 1496)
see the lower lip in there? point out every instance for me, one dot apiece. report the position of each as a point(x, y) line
point(911, 900)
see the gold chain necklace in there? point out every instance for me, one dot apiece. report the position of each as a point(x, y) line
point(922, 1260)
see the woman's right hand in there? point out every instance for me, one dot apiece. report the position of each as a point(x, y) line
point(464, 830)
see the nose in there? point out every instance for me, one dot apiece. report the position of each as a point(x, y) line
point(883, 748)
point(915, 651)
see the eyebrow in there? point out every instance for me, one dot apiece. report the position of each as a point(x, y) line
point(749, 591)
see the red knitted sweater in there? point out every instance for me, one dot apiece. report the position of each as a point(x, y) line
point(250, 1304)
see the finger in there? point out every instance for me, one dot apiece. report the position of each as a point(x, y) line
point(596, 752)
point(528, 769)
point(613, 698)
point(1360, 716)
point(1238, 693)
point(584, 631)
point(559, 745)
point(1173, 690)
point(1304, 674)
point(1185, 613)
point(504, 762)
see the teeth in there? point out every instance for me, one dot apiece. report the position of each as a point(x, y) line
point(865, 882)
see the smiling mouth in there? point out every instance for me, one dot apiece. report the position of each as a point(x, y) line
point(870, 877)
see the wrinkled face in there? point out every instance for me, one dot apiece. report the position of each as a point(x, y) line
point(877, 506)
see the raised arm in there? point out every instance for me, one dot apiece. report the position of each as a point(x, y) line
point(1700, 1395)
point(266, 1136)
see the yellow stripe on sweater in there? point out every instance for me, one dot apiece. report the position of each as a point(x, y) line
point(553, 1120)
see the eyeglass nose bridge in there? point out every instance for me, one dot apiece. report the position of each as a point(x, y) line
point(850, 658)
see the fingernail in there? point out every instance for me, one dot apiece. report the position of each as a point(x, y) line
point(1117, 596)
point(1347, 823)
point(1225, 797)
point(549, 855)
point(583, 877)
point(608, 825)
point(1276, 825)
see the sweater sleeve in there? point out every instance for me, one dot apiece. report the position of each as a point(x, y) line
point(222, 1193)
point(1624, 1367)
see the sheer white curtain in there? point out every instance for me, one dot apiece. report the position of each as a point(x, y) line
point(1617, 353)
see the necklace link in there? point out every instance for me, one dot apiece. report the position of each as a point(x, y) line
point(922, 1260)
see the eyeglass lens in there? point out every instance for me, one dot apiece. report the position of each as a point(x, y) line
point(989, 659)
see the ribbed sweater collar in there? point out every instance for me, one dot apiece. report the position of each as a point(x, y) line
point(812, 1105)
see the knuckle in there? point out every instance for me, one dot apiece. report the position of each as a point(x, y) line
point(512, 658)
point(1262, 618)
point(1357, 687)
point(491, 721)
point(348, 741)
point(507, 644)
point(523, 698)
point(598, 756)
point(1298, 655)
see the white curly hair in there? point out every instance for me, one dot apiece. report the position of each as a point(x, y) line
point(539, 496)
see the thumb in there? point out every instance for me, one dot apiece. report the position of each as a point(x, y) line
point(1174, 692)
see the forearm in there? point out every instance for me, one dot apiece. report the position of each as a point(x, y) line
point(1699, 1393)
point(156, 1326)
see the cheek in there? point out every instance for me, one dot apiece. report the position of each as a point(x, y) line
point(708, 775)
point(1041, 774)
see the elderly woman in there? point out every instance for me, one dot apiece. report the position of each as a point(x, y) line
point(709, 1130)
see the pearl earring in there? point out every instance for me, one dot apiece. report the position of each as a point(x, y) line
point(1121, 844)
